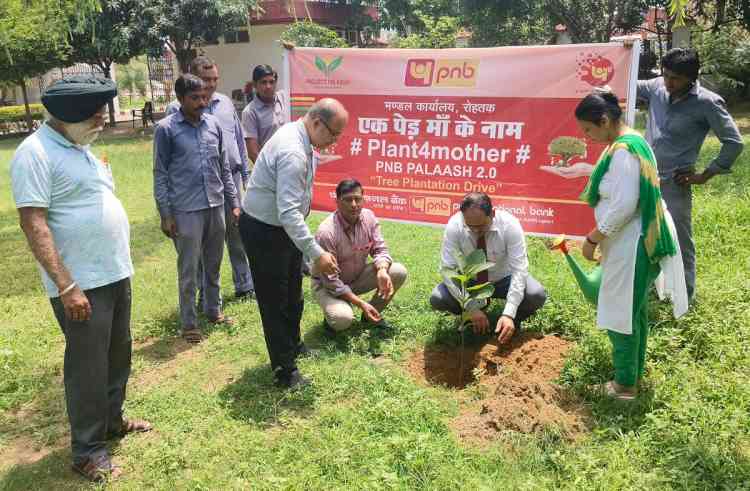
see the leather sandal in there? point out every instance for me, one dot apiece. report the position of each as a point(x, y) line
point(608, 389)
point(192, 335)
point(97, 469)
point(130, 426)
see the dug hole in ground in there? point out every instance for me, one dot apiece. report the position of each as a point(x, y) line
point(518, 383)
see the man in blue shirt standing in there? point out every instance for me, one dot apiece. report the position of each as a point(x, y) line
point(192, 183)
point(79, 234)
point(220, 106)
point(680, 114)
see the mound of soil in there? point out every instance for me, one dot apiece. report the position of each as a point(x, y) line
point(518, 381)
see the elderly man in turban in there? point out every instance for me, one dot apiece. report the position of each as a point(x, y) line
point(78, 232)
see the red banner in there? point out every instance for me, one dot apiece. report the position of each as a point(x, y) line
point(428, 126)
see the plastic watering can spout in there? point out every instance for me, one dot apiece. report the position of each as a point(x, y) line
point(589, 283)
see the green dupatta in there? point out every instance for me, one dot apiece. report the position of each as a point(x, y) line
point(656, 236)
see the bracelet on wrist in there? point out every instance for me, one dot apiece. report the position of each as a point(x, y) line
point(67, 289)
point(591, 241)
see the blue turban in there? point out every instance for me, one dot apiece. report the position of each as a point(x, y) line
point(76, 99)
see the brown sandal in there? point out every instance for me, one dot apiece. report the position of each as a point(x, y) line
point(192, 335)
point(97, 469)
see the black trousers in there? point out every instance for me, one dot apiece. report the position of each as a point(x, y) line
point(97, 366)
point(276, 264)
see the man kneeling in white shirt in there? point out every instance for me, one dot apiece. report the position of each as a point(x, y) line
point(499, 234)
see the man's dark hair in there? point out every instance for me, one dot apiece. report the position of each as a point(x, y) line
point(682, 61)
point(593, 107)
point(347, 186)
point(261, 71)
point(477, 200)
point(201, 63)
point(187, 82)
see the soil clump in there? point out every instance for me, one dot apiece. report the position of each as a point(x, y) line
point(517, 382)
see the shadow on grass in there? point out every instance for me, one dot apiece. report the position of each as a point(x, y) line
point(361, 338)
point(50, 472)
point(254, 399)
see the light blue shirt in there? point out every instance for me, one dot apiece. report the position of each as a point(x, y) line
point(88, 223)
point(191, 171)
point(280, 189)
point(222, 108)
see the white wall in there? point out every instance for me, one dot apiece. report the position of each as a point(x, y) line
point(236, 61)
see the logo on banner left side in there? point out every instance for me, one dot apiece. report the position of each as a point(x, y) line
point(328, 67)
point(595, 70)
point(422, 72)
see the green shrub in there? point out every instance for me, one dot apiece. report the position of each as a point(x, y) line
point(15, 114)
point(311, 35)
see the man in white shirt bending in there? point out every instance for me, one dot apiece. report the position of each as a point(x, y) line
point(499, 234)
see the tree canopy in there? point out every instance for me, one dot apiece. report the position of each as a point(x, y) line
point(183, 25)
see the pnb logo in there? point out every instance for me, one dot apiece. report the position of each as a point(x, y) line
point(424, 72)
point(595, 70)
point(431, 205)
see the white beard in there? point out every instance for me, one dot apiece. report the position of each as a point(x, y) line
point(82, 133)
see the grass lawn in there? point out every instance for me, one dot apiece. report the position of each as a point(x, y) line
point(366, 423)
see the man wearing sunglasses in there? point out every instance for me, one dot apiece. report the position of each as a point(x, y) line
point(275, 234)
point(352, 235)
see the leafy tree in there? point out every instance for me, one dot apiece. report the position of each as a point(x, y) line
point(132, 79)
point(507, 22)
point(714, 13)
point(312, 35)
point(408, 16)
point(596, 20)
point(31, 43)
point(183, 25)
point(725, 59)
point(116, 35)
point(437, 33)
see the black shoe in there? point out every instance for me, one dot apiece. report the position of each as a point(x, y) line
point(246, 295)
point(291, 380)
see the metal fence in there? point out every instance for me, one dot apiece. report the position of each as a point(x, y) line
point(161, 78)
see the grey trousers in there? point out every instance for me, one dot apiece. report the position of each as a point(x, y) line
point(533, 298)
point(243, 280)
point(679, 201)
point(200, 237)
point(97, 366)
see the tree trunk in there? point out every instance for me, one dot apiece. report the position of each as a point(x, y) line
point(107, 69)
point(29, 119)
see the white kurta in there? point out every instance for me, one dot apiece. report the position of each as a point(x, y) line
point(619, 218)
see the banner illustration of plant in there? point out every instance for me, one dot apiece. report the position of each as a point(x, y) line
point(328, 68)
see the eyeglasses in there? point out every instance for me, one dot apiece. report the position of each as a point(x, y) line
point(334, 134)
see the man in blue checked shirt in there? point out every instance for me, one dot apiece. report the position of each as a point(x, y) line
point(192, 183)
point(220, 106)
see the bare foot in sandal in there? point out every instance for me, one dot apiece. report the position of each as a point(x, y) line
point(192, 335)
point(618, 392)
